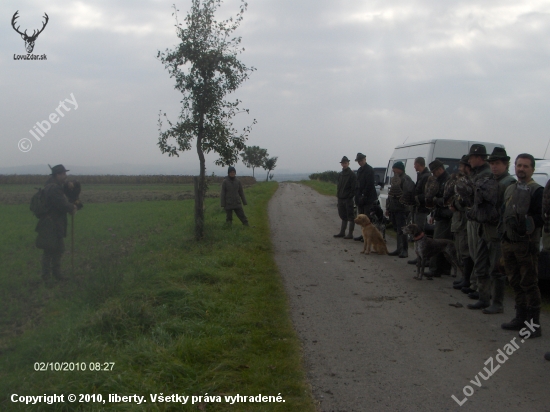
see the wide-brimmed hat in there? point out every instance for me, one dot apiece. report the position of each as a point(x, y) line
point(57, 169)
point(436, 164)
point(399, 165)
point(478, 150)
point(344, 159)
point(359, 156)
point(499, 153)
point(464, 160)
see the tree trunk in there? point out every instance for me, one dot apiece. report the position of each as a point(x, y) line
point(200, 186)
point(252, 171)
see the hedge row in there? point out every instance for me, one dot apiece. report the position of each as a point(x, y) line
point(328, 176)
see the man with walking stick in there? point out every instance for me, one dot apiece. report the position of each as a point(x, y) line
point(52, 223)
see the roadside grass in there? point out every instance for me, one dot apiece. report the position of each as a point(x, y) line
point(324, 188)
point(174, 315)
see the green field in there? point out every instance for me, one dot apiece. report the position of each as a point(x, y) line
point(173, 315)
point(325, 188)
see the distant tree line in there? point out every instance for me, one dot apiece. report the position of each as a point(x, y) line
point(328, 176)
point(255, 156)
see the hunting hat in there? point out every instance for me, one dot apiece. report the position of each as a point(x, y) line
point(464, 160)
point(360, 156)
point(478, 150)
point(231, 169)
point(436, 164)
point(399, 165)
point(57, 169)
point(344, 159)
point(499, 153)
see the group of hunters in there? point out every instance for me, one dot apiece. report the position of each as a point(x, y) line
point(494, 219)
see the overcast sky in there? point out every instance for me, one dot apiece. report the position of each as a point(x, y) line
point(333, 78)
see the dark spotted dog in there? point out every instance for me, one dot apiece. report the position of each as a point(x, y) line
point(426, 248)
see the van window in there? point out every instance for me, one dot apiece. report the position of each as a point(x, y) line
point(389, 173)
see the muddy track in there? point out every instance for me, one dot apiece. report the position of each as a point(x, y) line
point(375, 339)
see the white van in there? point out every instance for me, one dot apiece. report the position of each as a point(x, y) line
point(448, 151)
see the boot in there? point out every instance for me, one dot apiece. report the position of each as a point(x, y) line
point(56, 267)
point(358, 238)
point(399, 249)
point(533, 316)
point(474, 295)
point(342, 229)
point(46, 266)
point(405, 249)
point(547, 356)
point(498, 296)
point(468, 266)
point(412, 262)
point(350, 230)
point(517, 322)
point(484, 287)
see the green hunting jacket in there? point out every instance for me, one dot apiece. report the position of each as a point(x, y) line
point(232, 193)
point(491, 230)
point(347, 184)
point(53, 225)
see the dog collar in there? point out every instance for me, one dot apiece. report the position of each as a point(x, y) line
point(420, 236)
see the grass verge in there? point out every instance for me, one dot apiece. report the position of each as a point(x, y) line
point(173, 315)
point(325, 188)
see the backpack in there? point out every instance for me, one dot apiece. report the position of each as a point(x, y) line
point(39, 203)
point(484, 209)
point(407, 198)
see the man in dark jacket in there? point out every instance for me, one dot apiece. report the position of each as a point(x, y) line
point(490, 280)
point(477, 157)
point(345, 191)
point(231, 195)
point(52, 226)
point(420, 211)
point(521, 226)
point(365, 195)
point(398, 211)
point(442, 216)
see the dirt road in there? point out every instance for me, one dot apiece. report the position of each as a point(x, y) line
point(375, 339)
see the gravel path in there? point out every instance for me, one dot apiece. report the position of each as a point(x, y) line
point(375, 339)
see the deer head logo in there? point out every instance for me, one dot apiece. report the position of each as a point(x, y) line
point(29, 40)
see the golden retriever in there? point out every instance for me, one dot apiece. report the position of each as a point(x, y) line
point(371, 236)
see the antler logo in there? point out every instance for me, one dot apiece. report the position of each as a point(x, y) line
point(29, 40)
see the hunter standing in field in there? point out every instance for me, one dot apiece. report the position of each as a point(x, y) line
point(345, 191)
point(52, 226)
point(231, 195)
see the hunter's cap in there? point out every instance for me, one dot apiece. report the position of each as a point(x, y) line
point(344, 159)
point(399, 165)
point(436, 164)
point(57, 169)
point(231, 169)
point(360, 156)
point(478, 150)
point(499, 153)
point(464, 160)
